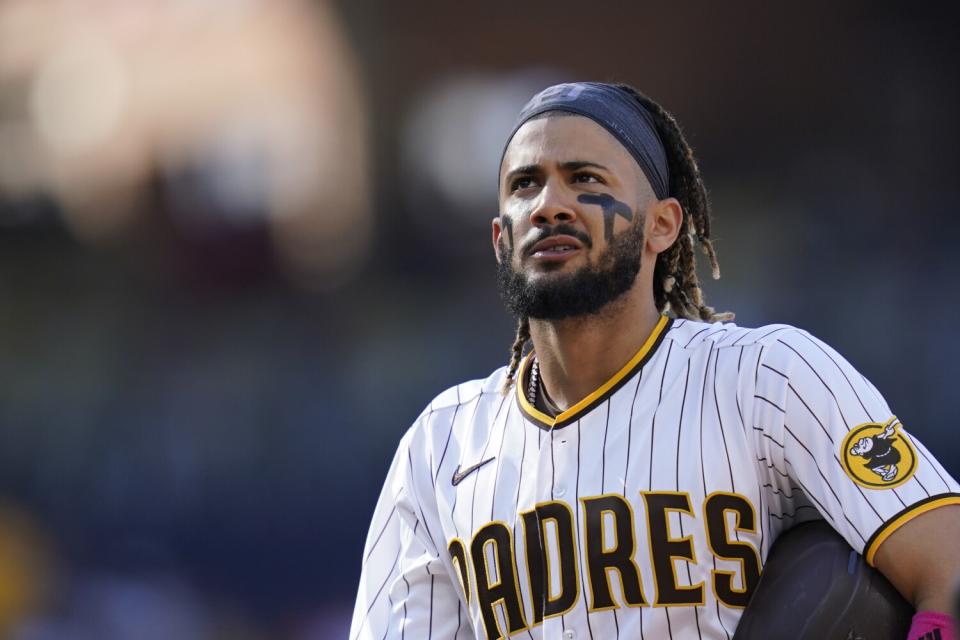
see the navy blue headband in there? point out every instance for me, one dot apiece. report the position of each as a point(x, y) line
point(615, 110)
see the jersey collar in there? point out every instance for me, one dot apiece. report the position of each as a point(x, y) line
point(599, 395)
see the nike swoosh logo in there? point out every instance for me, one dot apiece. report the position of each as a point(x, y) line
point(458, 475)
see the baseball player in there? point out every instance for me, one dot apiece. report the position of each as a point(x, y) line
point(627, 473)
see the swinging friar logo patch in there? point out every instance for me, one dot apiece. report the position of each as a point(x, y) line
point(878, 456)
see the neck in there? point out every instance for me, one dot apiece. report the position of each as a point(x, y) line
point(577, 355)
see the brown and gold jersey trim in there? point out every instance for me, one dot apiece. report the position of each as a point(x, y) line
point(601, 394)
point(902, 518)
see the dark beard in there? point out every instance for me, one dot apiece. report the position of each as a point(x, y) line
point(584, 292)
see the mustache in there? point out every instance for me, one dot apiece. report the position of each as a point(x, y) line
point(556, 230)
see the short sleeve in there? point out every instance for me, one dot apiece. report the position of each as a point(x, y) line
point(405, 586)
point(840, 449)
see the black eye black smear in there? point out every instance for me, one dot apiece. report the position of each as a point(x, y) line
point(507, 225)
point(611, 208)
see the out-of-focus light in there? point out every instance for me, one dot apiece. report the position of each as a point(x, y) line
point(26, 567)
point(244, 112)
point(78, 95)
point(452, 142)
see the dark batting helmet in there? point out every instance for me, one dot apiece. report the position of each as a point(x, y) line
point(815, 587)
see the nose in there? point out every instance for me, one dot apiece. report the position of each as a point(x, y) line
point(553, 206)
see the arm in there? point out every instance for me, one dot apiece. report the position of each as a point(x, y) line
point(405, 586)
point(922, 558)
point(906, 523)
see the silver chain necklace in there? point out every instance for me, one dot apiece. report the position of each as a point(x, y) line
point(534, 384)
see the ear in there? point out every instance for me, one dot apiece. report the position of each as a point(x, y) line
point(663, 224)
point(497, 230)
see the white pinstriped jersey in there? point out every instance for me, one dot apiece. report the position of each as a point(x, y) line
point(647, 509)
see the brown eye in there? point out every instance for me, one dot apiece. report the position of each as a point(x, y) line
point(522, 182)
point(587, 178)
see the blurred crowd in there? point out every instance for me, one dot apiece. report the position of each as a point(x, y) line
point(243, 243)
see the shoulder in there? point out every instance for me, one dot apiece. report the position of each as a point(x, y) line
point(693, 334)
point(459, 403)
point(781, 349)
point(466, 393)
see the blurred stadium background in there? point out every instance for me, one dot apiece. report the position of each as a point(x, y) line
point(244, 242)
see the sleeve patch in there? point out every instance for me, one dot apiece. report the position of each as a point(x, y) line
point(878, 456)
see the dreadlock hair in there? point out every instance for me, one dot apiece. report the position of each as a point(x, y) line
point(676, 287)
point(516, 352)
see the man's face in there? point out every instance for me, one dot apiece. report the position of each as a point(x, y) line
point(570, 235)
